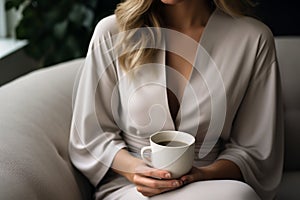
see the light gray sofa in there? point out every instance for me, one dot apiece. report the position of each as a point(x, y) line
point(35, 115)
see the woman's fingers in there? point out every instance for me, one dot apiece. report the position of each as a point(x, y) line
point(193, 176)
point(144, 170)
point(146, 191)
point(156, 183)
point(150, 181)
point(150, 186)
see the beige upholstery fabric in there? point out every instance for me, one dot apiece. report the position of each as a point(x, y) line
point(288, 51)
point(35, 113)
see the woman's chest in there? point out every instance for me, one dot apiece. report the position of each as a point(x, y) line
point(173, 94)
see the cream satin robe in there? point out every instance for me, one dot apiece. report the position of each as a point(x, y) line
point(232, 105)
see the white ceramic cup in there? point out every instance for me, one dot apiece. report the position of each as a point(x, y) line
point(173, 157)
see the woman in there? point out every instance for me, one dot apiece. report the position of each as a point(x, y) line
point(126, 75)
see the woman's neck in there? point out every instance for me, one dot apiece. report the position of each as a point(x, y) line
point(187, 14)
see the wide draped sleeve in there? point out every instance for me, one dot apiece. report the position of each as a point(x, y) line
point(256, 140)
point(95, 137)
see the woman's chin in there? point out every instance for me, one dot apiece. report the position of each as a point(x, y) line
point(171, 2)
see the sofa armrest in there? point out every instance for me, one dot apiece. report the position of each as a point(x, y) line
point(35, 116)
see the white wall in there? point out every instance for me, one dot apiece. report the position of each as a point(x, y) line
point(9, 20)
point(3, 32)
point(13, 17)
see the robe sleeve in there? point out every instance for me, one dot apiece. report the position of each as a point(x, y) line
point(94, 135)
point(256, 139)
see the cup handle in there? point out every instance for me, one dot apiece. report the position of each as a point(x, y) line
point(146, 159)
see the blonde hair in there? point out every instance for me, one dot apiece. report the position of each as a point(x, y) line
point(134, 14)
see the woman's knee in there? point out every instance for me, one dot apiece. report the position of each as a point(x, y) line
point(237, 190)
point(213, 190)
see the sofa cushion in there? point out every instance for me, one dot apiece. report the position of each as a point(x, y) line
point(288, 49)
point(35, 116)
point(289, 188)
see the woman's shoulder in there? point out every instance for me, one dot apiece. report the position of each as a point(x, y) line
point(248, 30)
point(242, 29)
point(107, 25)
point(104, 31)
point(254, 28)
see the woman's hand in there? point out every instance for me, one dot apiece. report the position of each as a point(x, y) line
point(150, 181)
point(194, 175)
point(220, 169)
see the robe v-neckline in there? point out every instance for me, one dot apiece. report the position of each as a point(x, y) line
point(176, 124)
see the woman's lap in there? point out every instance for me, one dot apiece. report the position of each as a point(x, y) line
point(212, 190)
point(208, 190)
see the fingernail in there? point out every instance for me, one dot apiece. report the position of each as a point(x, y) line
point(176, 184)
point(167, 175)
